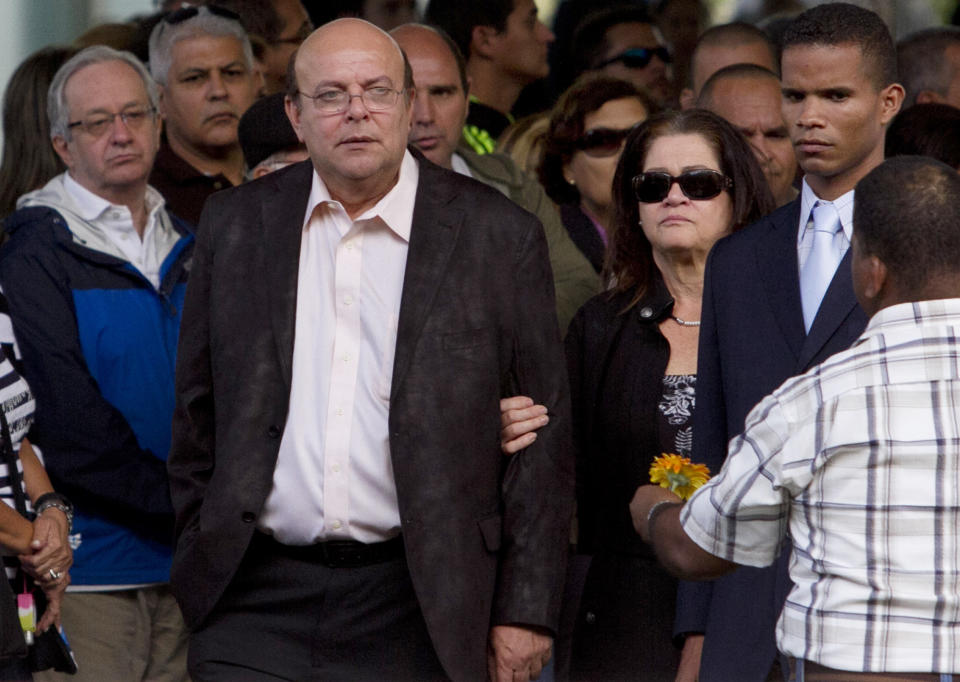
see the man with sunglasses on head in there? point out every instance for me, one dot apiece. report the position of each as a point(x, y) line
point(202, 60)
point(95, 271)
point(778, 297)
point(624, 42)
point(281, 25)
point(439, 113)
point(505, 46)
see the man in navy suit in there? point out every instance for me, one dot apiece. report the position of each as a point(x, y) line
point(778, 297)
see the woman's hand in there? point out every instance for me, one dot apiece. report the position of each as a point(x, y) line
point(54, 594)
point(50, 557)
point(689, 668)
point(519, 420)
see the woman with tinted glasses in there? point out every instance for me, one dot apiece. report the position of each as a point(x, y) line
point(685, 179)
point(587, 129)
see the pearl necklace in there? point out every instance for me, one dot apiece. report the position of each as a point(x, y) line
point(685, 323)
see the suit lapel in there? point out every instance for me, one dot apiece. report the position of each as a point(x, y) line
point(837, 304)
point(776, 254)
point(281, 219)
point(432, 238)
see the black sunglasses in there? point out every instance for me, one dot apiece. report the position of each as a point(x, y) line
point(600, 142)
point(639, 57)
point(184, 13)
point(653, 187)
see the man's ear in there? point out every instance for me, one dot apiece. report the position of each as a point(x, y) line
point(293, 113)
point(891, 99)
point(482, 41)
point(62, 150)
point(876, 278)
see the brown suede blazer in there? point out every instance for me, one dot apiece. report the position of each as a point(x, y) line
point(485, 535)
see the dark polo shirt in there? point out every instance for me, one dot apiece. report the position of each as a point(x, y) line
point(183, 186)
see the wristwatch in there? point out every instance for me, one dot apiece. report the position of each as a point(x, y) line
point(55, 501)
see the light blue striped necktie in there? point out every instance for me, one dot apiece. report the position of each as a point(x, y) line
point(822, 261)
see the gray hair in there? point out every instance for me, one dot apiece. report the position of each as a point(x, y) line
point(921, 62)
point(57, 110)
point(164, 36)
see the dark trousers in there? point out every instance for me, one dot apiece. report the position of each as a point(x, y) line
point(287, 616)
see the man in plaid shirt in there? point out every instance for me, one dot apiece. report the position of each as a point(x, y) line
point(857, 462)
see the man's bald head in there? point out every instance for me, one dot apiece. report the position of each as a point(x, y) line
point(440, 109)
point(341, 35)
point(748, 96)
point(725, 45)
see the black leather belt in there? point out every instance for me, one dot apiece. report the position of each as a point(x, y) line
point(337, 553)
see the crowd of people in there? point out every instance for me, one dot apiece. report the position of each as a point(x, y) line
point(338, 343)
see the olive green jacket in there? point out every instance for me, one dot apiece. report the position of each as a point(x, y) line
point(574, 278)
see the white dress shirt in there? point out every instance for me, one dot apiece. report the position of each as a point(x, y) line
point(334, 477)
point(844, 206)
point(146, 254)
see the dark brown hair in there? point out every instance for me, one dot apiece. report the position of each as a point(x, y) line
point(630, 255)
point(585, 96)
point(28, 157)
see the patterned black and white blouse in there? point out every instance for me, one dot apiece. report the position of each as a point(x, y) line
point(676, 413)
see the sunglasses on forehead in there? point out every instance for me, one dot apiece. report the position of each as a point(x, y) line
point(653, 187)
point(189, 12)
point(600, 142)
point(639, 57)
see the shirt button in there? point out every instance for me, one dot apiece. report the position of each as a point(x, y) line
point(273, 431)
point(335, 468)
point(218, 185)
point(339, 411)
point(646, 312)
point(347, 300)
point(248, 517)
point(350, 246)
point(590, 617)
point(336, 524)
point(346, 357)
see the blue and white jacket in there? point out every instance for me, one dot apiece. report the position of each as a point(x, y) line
point(99, 345)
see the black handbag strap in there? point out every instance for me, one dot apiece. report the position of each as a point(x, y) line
point(13, 471)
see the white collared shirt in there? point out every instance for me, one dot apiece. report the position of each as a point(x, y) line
point(844, 206)
point(334, 477)
point(146, 254)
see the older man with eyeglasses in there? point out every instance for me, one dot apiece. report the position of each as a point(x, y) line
point(343, 508)
point(95, 272)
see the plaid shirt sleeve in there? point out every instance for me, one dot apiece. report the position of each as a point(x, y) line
point(741, 514)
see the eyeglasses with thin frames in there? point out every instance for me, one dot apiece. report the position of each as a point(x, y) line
point(97, 125)
point(337, 101)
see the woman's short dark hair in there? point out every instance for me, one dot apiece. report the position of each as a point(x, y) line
point(585, 96)
point(630, 256)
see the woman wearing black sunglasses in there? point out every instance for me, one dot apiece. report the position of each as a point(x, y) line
point(582, 144)
point(685, 179)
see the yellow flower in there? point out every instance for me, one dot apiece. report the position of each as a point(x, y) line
point(678, 474)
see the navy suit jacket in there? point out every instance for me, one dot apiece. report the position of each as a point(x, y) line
point(751, 340)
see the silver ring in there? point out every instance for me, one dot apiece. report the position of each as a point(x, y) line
point(55, 575)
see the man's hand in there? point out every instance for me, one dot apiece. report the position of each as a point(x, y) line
point(519, 421)
point(517, 654)
point(51, 555)
point(689, 668)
